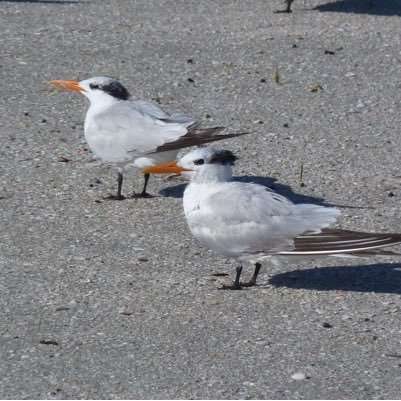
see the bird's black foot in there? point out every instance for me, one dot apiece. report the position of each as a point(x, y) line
point(286, 11)
point(119, 195)
point(248, 284)
point(236, 286)
point(114, 197)
point(231, 287)
point(142, 195)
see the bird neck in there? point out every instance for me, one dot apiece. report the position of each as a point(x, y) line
point(213, 174)
point(102, 101)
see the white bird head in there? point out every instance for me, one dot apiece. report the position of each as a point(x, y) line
point(97, 89)
point(202, 165)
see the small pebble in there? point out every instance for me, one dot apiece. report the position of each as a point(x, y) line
point(316, 88)
point(49, 342)
point(125, 313)
point(62, 308)
point(63, 159)
point(298, 376)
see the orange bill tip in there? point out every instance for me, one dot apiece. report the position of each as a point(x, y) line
point(165, 168)
point(72, 85)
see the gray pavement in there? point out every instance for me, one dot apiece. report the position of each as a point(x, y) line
point(103, 299)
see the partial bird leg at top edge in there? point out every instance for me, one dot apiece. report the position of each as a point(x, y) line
point(287, 9)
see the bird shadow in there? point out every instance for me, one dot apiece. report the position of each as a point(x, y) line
point(374, 7)
point(379, 278)
point(177, 191)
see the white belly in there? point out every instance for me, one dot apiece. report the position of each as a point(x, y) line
point(156, 158)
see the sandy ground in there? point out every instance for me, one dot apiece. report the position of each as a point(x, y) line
point(103, 299)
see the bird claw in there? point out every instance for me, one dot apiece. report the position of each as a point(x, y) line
point(230, 287)
point(141, 195)
point(235, 286)
point(114, 197)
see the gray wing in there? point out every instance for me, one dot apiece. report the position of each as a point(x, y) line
point(243, 219)
point(159, 113)
point(149, 108)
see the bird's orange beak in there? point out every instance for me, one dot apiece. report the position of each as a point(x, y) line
point(165, 168)
point(68, 84)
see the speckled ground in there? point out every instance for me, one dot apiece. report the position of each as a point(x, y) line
point(103, 299)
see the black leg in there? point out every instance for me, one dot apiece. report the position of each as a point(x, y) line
point(237, 283)
point(120, 185)
point(145, 185)
point(119, 196)
point(143, 194)
point(252, 282)
point(287, 9)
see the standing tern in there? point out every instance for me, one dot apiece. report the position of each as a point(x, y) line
point(251, 223)
point(123, 131)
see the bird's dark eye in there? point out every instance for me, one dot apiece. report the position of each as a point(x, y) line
point(94, 86)
point(199, 162)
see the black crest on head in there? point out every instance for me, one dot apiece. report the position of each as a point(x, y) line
point(116, 90)
point(223, 157)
